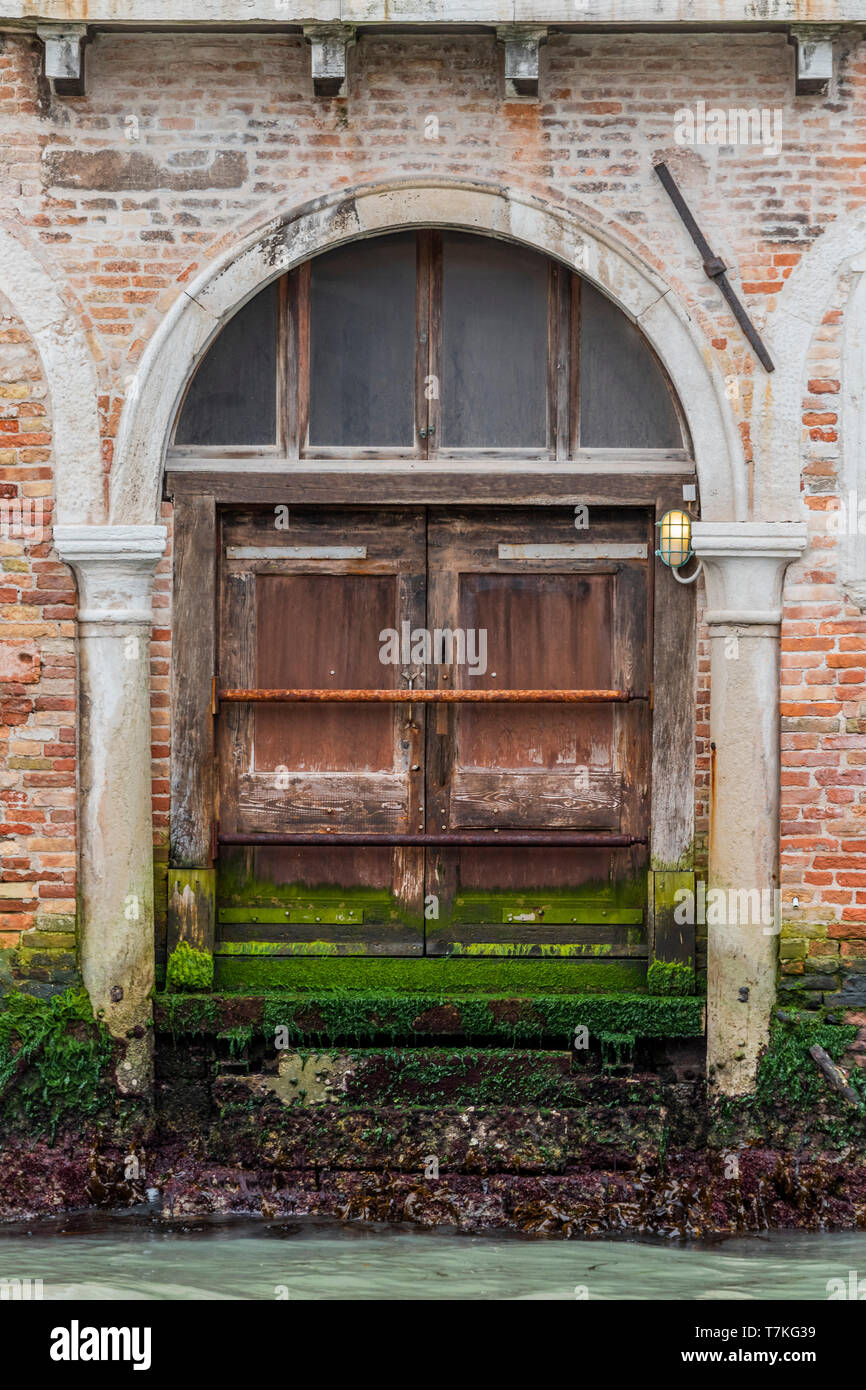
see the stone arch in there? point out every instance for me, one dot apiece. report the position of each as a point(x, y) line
point(807, 294)
point(198, 313)
point(70, 376)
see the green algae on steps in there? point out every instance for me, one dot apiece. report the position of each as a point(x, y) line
point(189, 969)
point(321, 1017)
point(671, 977)
point(427, 974)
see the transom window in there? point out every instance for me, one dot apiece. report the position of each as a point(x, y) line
point(428, 344)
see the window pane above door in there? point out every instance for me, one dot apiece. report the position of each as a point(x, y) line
point(494, 345)
point(232, 399)
point(362, 345)
point(625, 402)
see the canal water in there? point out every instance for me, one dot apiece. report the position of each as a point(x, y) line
point(136, 1258)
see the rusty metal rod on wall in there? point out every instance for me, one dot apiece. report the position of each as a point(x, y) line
point(492, 839)
point(428, 697)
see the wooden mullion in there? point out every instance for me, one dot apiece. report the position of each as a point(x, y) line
point(558, 354)
point(434, 407)
point(443, 865)
point(422, 337)
point(573, 377)
point(302, 316)
point(289, 376)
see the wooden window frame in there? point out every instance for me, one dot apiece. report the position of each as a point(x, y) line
point(292, 385)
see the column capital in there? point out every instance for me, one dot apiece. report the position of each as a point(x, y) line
point(114, 567)
point(744, 564)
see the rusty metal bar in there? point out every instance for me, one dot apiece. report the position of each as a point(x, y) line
point(429, 697)
point(491, 839)
point(714, 266)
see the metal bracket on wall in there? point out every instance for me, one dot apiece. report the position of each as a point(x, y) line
point(714, 267)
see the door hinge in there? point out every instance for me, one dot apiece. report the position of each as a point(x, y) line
point(214, 839)
point(652, 697)
point(214, 697)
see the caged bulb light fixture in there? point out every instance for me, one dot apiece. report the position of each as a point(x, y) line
point(675, 543)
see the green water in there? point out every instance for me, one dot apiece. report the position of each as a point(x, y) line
point(135, 1258)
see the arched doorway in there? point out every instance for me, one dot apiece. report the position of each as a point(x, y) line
point(427, 461)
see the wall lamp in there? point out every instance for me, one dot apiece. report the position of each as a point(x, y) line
point(675, 544)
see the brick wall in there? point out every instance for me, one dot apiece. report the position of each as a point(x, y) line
point(823, 946)
point(37, 687)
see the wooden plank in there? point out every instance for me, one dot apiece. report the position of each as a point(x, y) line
point(372, 940)
point(673, 755)
point(580, 799)
point(193, 667)
point(674, 668)
point(372, 801)
point(191, 920)
point(631, 732)
point(596, 940)
point(672, 940)
point(621, 481)
point(291, 916)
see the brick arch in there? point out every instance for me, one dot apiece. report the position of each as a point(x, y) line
point(196, 316)
point(70, 376)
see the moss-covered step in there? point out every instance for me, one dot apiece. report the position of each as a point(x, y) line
point(250, 973)
point(356, 1016)
point(406, 1077)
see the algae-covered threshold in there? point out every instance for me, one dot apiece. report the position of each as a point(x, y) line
point(432, 637)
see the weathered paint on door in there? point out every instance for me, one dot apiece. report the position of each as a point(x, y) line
point(509, 599)
point(560, 610)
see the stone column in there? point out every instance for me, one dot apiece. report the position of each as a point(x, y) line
point(114, 567)
point(744, 566)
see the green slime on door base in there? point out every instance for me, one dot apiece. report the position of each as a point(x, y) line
point(238, 889)
point(425, 974)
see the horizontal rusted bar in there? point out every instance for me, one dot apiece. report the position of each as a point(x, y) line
point(429, 697)
point(493, 839)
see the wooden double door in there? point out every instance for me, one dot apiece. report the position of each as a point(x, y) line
point(486, 826)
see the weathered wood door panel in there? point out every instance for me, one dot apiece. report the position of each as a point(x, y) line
point(304, 607)
point(511, 599)
point(551, 608)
